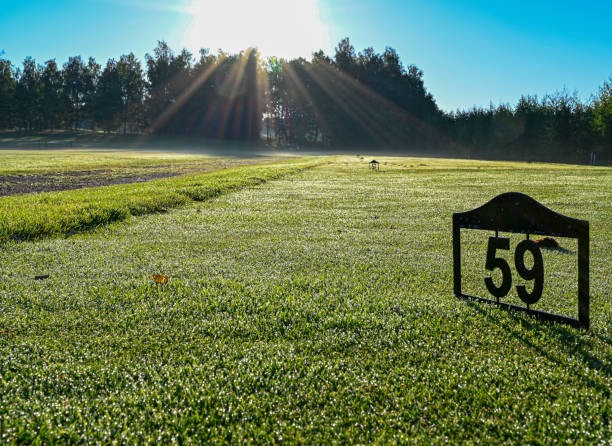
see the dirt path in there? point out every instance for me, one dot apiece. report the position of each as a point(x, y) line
point(58, 181)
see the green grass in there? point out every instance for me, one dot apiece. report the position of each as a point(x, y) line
point(314, 308)
point(29, 216)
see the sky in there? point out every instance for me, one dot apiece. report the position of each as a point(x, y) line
point(472, 52)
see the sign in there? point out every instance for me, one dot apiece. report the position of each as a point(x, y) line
point(520, 214)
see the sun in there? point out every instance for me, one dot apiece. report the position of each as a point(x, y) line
point(281, 28)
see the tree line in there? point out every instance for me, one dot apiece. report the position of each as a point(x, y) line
point(351, 99)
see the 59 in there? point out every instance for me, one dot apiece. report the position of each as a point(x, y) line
point(536, 273)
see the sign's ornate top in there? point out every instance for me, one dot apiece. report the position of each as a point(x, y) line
point(519, 213)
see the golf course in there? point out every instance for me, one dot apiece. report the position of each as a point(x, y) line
point(295, 299)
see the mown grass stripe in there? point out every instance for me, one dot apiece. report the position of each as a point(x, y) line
point(31, 216)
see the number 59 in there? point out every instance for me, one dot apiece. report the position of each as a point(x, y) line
point(536, 273)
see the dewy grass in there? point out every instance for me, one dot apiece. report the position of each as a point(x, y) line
point(35, 215)
point(317, 308)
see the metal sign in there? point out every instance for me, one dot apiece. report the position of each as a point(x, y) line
point(518, 213)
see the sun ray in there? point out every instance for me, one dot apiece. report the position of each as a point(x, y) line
point(347, 85)
point(327, 78)
point(185, 95)
point(229, 90)
point(303, 92)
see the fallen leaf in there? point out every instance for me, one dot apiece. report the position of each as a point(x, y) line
point(160, 278)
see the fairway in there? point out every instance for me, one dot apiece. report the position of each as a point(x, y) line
point(309, 300)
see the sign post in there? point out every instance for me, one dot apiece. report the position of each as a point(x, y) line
point(520, 214)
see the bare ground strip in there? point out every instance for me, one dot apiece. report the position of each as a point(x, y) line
point(67, 180)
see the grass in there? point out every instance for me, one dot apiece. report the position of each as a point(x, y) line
point(314, 308)
point(24, 172)
point(30, 216)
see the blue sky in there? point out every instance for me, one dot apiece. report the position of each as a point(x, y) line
point(472, 52)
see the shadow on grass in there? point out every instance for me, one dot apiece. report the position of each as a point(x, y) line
point(562, 336)
point(559, 249)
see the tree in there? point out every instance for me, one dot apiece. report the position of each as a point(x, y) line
point(602, 120)
point(345, 58)
point(561, 108)
point(253, 97)
point(132, 91)
point(92, 76)
point(108, 102)
point(168, 76)
point(75, 89)
point(28, 95)
point(52, 96)
point(530, 118)
point(8, 85)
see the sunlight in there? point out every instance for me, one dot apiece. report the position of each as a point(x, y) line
point(279, 28)
point(185, 95)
